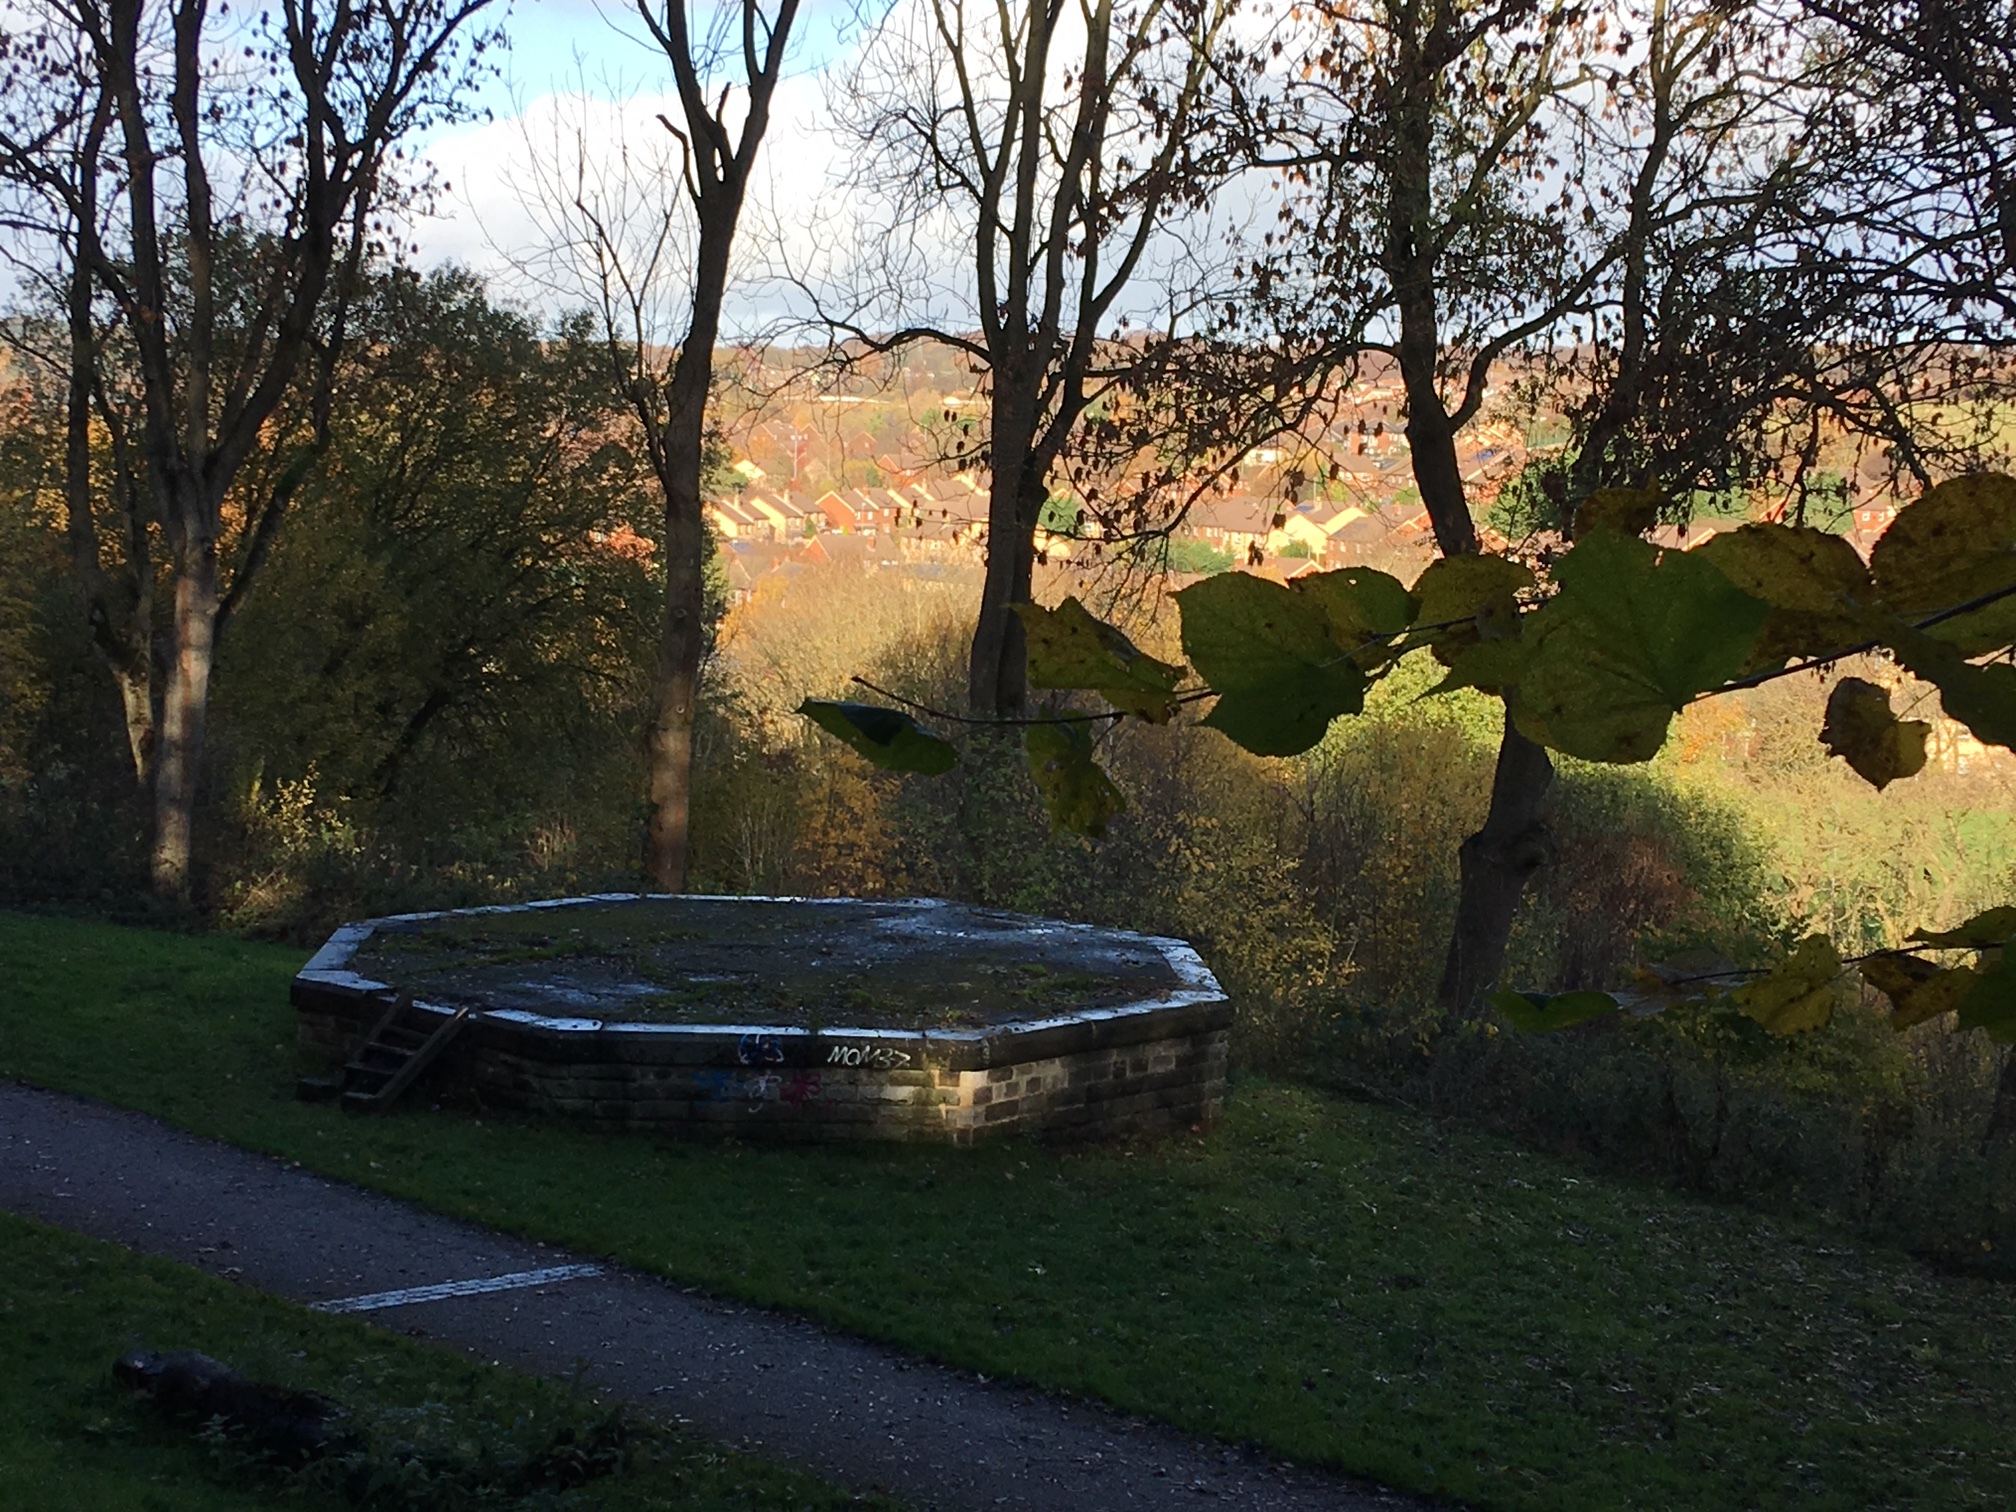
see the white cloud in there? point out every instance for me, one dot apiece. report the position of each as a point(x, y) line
point(573, 77)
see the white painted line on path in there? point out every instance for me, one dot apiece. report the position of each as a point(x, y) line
point(375, 1300)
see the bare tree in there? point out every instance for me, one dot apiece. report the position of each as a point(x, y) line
point(1427, 219)
point(1044, 151)
point(1939, 77)
point(1787, 274)
point(205, 190)
point(1672, 211)
point(649, 232)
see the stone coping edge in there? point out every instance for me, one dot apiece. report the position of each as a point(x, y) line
point(1198, 1007)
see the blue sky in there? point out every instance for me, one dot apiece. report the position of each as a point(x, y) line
point(565, 50)
point(547, 36)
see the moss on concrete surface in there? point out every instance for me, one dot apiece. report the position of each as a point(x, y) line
point(791, 964)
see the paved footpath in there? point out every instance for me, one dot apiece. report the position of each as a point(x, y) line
point(858, 1413)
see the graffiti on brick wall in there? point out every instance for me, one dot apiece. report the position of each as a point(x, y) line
point(714, 1085)
point(879, 1057)
point(759, 1050)
point(794, 1089)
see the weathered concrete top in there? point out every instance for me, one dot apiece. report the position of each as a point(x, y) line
point(792, 966)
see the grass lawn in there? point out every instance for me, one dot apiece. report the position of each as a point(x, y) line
point(436, 1431)
point(1346, 1285)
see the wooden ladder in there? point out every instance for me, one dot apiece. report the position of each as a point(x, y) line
point(402, 1045)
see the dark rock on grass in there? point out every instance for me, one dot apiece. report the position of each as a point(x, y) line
point(191, 1387)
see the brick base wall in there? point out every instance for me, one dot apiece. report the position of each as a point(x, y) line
point(1153, 1086)
point(1150, 1086)
point(1148, 1066)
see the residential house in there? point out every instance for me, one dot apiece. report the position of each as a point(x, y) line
point(1359, 539)
point(1686, 537)
point(1873, 518)
point(1238, 523)
point(1300, 527)
point(735, 520)
point(1407, 524)
point(1349, 514)
point(1279, 569)
point(947, 517)
point(838, 511)
point(788, 513)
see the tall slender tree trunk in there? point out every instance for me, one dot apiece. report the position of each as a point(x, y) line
point(675, 692)
point(1497, 862)
point(185, 707)
point(717, 177)
point(121, 616)
point(680, 456)
point(998, 672)
point(1500, 859)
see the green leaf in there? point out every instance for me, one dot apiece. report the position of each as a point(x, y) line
point(1981, 698)
point(1628, 641)
point(1069, 647)
point(1628, 511)
point(1956, 544)
point(1985, 931)
point(1790, 567)
point(1698, 970)
point(1816, 585)
point(1268, 654)
point(1918, 990)
point(1991, 1006)
point(1492, 665)
point(888, 737)
point(1861, 729)
point(1077, 795)
point(1539, 1013)
point(1793, 633)
point(1364, 607)
point(1799, 993)
point(1685, 978)
point(1475, 597)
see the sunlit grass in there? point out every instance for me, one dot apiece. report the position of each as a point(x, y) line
point(71, 1438)
point(1344, 1284)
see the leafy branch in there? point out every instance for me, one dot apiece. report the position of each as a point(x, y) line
point(1594, 663)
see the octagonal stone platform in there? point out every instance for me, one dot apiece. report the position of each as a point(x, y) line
point(792, 1018)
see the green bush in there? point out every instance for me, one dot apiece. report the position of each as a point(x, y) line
point(1322, 892)
point(1189, 555)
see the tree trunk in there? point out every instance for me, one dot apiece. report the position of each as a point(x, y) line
point(120, 616)
point(717, 175)
point(136, 700)
point(1500, 859)
point(1497, 863)
point(998, 671)
point(185, 707)
point(675, 694)
point(679, 453)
